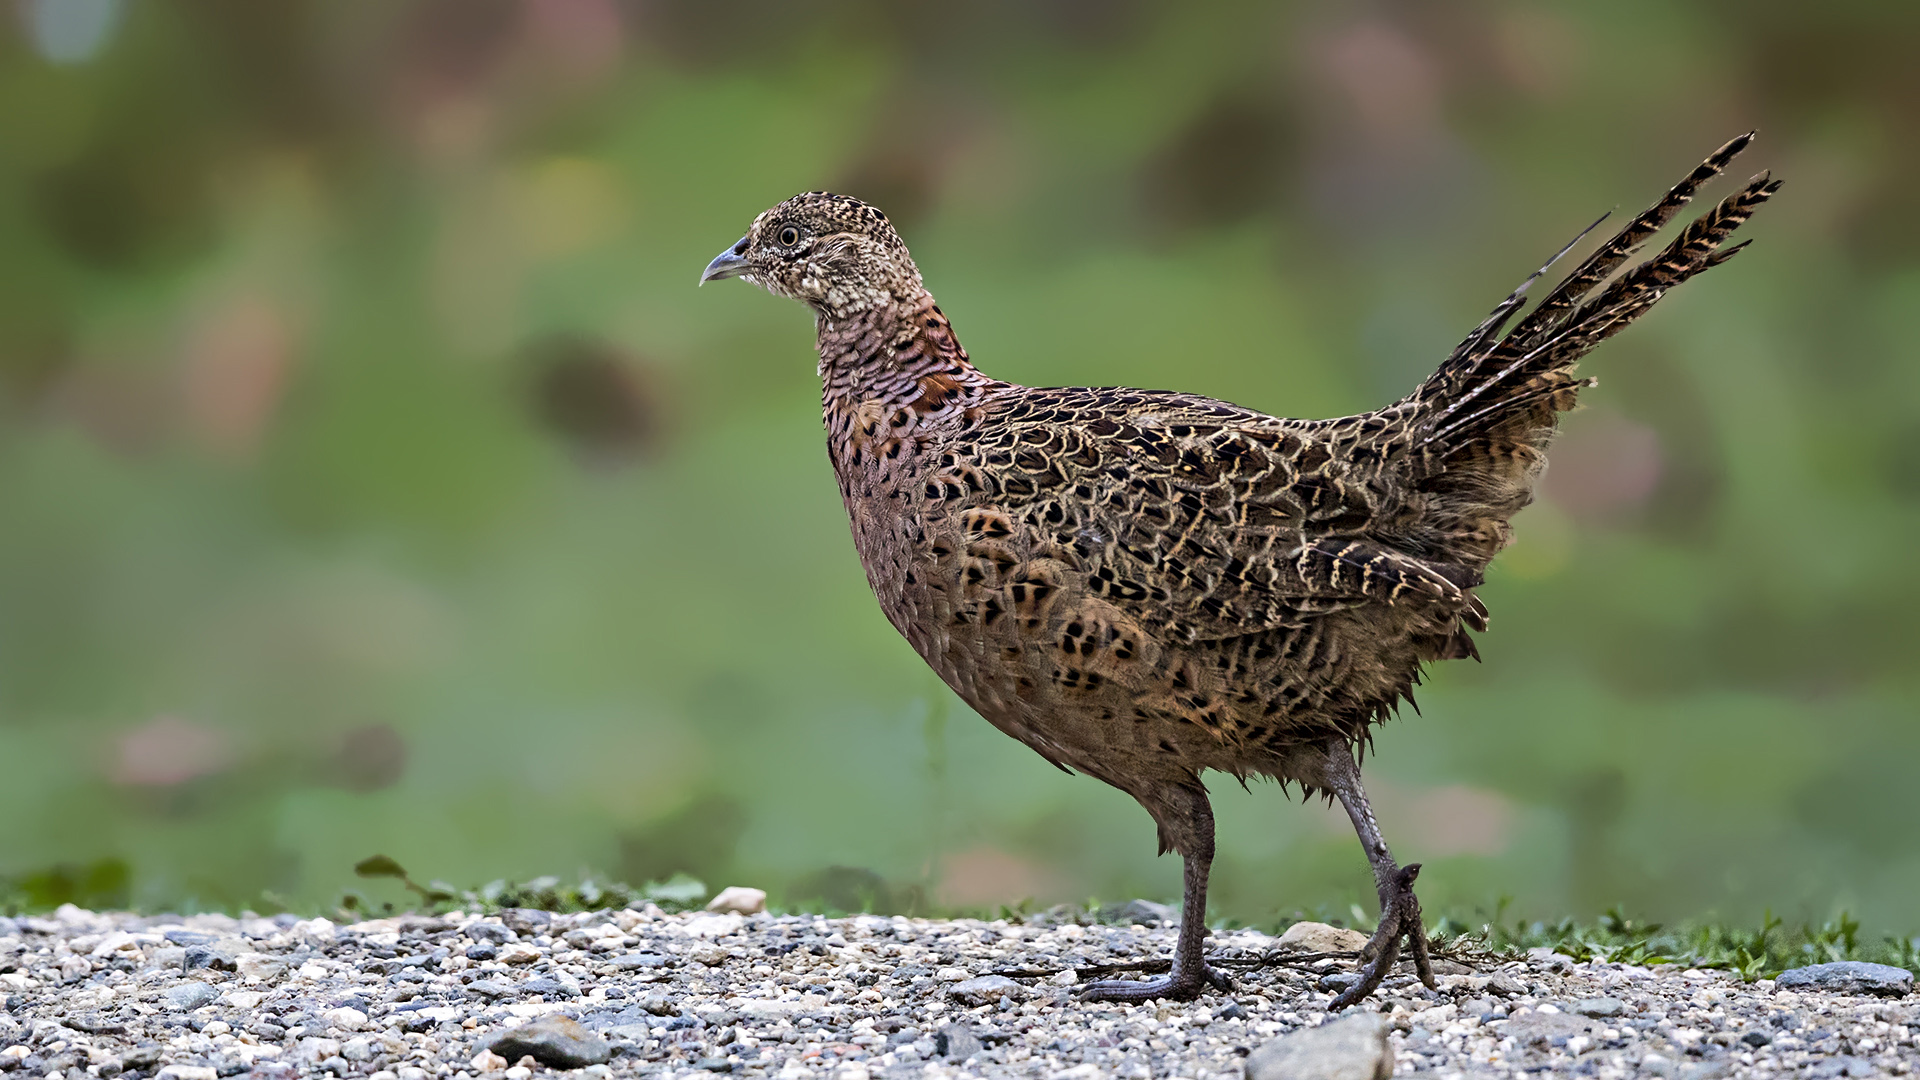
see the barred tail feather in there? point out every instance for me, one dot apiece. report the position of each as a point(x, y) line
point(1486, 379)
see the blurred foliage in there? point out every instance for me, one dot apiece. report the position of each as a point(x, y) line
point(375, 479)
point(104, 884)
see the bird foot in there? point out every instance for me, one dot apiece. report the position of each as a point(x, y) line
point(1399, 919)
point(1179, 986)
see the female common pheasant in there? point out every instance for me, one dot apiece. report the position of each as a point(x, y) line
point(1144, 585)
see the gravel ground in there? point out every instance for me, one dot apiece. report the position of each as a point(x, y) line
point(409, 998)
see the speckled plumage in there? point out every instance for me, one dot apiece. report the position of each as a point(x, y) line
point(1143, 585)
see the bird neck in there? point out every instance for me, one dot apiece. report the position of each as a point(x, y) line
point(898, 362)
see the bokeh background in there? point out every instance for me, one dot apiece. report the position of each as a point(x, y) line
point(373, 478)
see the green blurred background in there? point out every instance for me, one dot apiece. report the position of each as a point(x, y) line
point(373, 478)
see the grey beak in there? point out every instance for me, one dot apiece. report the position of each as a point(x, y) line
point(729, 263)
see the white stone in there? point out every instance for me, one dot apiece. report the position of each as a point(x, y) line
point(347, 1018)
point(739, 900)
point(357, 1048)
point(314, 1048)
point(73, 915)
point(244, 999)
point(518, 953)
point(259, 967)
point(118, 941)
point(953, 974)
point(486, 1061)
point(713, 926)
point(320, 929)
point(1318, 937)
point(188, 1072)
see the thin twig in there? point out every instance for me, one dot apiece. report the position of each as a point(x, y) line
point(1459, 951)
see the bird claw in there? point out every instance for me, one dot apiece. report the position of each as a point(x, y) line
point(1179, 986)
point(1399, 919)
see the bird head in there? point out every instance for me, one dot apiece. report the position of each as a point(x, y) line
point(836, 254)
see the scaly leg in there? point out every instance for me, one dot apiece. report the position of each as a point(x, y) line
point(1186, 825)
point(1399, 908)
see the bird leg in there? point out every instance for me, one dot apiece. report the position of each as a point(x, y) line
point(1399, 908)
point(1192, 835)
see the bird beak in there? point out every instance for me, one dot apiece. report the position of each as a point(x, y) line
point(729, 263)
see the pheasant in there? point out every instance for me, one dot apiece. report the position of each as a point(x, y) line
point(1143, 585)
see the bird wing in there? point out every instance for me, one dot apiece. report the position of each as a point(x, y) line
point(1201, 519)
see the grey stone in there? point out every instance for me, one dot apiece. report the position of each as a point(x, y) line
point(549, 987)
point(1507, 985)
point(1144, 912)
point(491, 932)
point(189, 996)
point(557, 1041)
point(632, 1033)
point(635, 961)
point(1756, 1039)
point(167, 956)
point(487, 988)
point(1552, 961)
point(985, 990)
point(1841, 1065)
point(1598, 1006)
point(1351, 1048)
point(527, 920)
point(956, 1043)
point(1848, 977)
point(1545, 1027)
point(1338, 981)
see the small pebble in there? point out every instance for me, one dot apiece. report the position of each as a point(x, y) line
point(189, 996)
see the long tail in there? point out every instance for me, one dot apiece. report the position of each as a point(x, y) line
point(1485, 418)
point(1487, 378)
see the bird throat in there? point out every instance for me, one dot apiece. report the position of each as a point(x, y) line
point(890, 373)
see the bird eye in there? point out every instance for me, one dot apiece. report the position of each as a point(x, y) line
point(789, 236)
